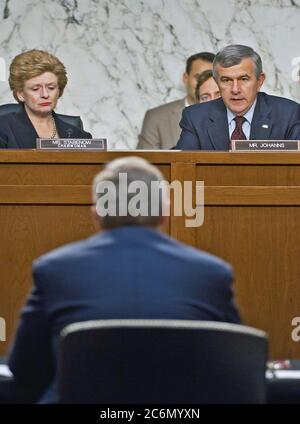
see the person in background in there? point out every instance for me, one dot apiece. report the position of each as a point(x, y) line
point(243, 112)
point(206, 88)
point(160, 129)
point(37, 80)
point(128, 270)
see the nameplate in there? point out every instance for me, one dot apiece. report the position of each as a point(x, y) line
point(265, 145)
point(71, 143)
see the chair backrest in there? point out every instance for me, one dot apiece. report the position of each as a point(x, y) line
point(15, 107)
point(161, 361)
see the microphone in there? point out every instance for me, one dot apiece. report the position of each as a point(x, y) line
point(69, 132)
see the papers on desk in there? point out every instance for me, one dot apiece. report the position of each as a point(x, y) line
point(5, 371)
point(283, 374)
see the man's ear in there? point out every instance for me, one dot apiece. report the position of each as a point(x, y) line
point(261, 79)
point(185, 78)
point(96, 220)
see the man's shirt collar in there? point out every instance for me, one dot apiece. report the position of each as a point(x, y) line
point(248, 115)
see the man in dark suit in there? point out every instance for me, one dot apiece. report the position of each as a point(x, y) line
point(128, 270)
point(242, 112)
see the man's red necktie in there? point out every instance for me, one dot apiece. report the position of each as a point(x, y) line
point(238, 133)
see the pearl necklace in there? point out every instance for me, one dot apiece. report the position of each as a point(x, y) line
point(54, 133)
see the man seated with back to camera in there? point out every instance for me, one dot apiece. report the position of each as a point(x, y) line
point(37, 80)
point(242, 113)
point(128, 270)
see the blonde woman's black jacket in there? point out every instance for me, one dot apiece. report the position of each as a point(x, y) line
point(17, 131)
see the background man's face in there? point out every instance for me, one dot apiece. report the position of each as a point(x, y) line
point(238, 85)
point(190, 80)
point(209, 90)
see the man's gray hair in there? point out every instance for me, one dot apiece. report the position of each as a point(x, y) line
point(233, 55)
point(136, 170)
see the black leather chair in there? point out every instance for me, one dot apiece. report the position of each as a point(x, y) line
point(161, 361)
point(15, 107)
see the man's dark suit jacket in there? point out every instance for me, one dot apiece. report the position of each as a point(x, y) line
point(126, 273)
point(17, 131)
point(205, 126)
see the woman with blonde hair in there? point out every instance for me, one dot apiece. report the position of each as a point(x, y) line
point(37, 80)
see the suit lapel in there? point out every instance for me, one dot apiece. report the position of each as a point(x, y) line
point(218, 127)
point(66, 130)
point(26, 133)
point(261, 124)
point(24, 130)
